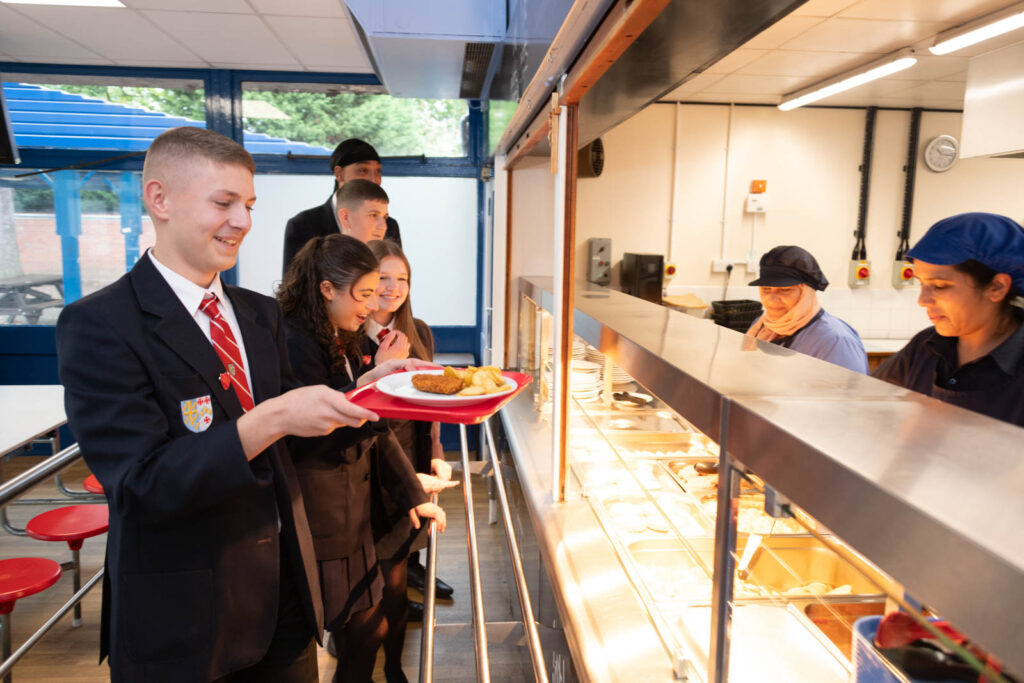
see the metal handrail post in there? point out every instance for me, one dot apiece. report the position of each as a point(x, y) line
point(483, 672)
point(429, 597)
point(525, 606)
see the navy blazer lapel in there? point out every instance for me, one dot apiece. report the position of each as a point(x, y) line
point(260, 348)
point(180, 332)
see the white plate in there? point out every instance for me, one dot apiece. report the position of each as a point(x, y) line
point(400, 386)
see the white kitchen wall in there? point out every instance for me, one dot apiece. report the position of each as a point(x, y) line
point(810, 158)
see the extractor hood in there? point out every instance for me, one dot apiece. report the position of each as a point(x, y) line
point(994, 104)
point(447, 49)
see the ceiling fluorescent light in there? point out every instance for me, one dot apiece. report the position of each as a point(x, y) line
point(67, 3)
point(990, 26)
point(889, 64)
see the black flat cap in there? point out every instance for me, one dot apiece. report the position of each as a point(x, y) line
point(786, 266)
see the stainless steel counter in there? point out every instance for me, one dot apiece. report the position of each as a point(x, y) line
point(929, 492)
point(607, 628)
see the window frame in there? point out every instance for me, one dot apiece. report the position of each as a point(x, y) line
point(223, 95)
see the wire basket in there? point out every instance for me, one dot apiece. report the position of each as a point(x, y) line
point(736, 314)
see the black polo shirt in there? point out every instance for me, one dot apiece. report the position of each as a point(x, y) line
point(992, 385)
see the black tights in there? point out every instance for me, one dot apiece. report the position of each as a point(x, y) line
point(395, 605)
point(357, 645)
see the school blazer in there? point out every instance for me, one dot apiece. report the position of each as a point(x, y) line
point(316, 222)
point(193, 555)
point(334, 470)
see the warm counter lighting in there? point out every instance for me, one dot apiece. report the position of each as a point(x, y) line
point(996, 24)
point(67, 3)
point(890, 64)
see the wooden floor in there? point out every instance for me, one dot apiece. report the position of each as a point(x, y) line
point(70, 654)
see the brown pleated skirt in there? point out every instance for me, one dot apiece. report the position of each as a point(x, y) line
point(350, 585)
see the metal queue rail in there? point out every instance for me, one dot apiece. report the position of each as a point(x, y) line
point(480, 413)
point(8, 492)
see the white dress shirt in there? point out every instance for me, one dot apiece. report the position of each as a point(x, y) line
point(191, 296)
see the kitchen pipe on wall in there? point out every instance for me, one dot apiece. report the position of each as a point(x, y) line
point(675, 185)
point(860, 251)
point(908, 187)
point(725, 182)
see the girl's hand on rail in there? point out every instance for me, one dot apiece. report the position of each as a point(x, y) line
point(434, 484)
point(431, 511)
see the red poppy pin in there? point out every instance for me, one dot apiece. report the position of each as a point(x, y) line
point(366, 360)
point(225, 380)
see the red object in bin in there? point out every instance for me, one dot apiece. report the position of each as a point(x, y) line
point(369, 397)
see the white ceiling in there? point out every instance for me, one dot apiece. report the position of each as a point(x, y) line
point(292, 35)
point(818, 40)
point(824, 38)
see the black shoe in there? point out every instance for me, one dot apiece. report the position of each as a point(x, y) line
point(395, 675)
point(416, 576)
point(415, 611)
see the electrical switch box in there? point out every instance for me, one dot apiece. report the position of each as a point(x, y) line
point(860, 273)
point(757, 203)
point(599, 267)
point(902, 274)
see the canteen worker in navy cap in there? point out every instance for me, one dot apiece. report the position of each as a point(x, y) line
point(352, 159)
point(971, 270)
point(793, 318)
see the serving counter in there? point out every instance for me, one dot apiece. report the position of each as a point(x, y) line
point(867, 497)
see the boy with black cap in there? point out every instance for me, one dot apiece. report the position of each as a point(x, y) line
point(352, 159)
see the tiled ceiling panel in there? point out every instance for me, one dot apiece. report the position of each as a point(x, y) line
point(862, 35)
point(112, 33)
point(27, 39)
point(823, 39)
point(314, 35)
point(225, 38)
point(317, 41)
point(301, 8)
point(229, 6)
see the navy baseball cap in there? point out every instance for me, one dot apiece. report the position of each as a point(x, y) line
point(988, 238)
point(787, 266)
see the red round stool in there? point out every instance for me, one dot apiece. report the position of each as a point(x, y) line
point(19, 578)
point(73, 524)
point(92, 484)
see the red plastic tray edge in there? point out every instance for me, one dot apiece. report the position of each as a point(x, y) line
point(369, 397)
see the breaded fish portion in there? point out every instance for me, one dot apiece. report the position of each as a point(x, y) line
point(436, 384)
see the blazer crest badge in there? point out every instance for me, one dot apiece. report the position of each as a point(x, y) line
point(197, 413)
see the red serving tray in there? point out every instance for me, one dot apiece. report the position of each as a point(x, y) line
point(369, 397)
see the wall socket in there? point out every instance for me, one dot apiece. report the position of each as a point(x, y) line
point(721, 265)
point(599, 267)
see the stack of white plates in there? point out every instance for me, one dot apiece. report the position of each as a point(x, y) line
point(594, 356)
point(620, 376)
point(584, 380)
point(579, 350)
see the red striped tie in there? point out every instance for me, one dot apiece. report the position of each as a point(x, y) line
point(226, 347)
point(382, 333)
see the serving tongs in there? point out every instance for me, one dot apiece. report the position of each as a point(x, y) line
point(750, 551)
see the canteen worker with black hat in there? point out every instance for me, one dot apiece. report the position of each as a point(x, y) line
point(971, 270)
point(793, 318)
point(352, 159)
